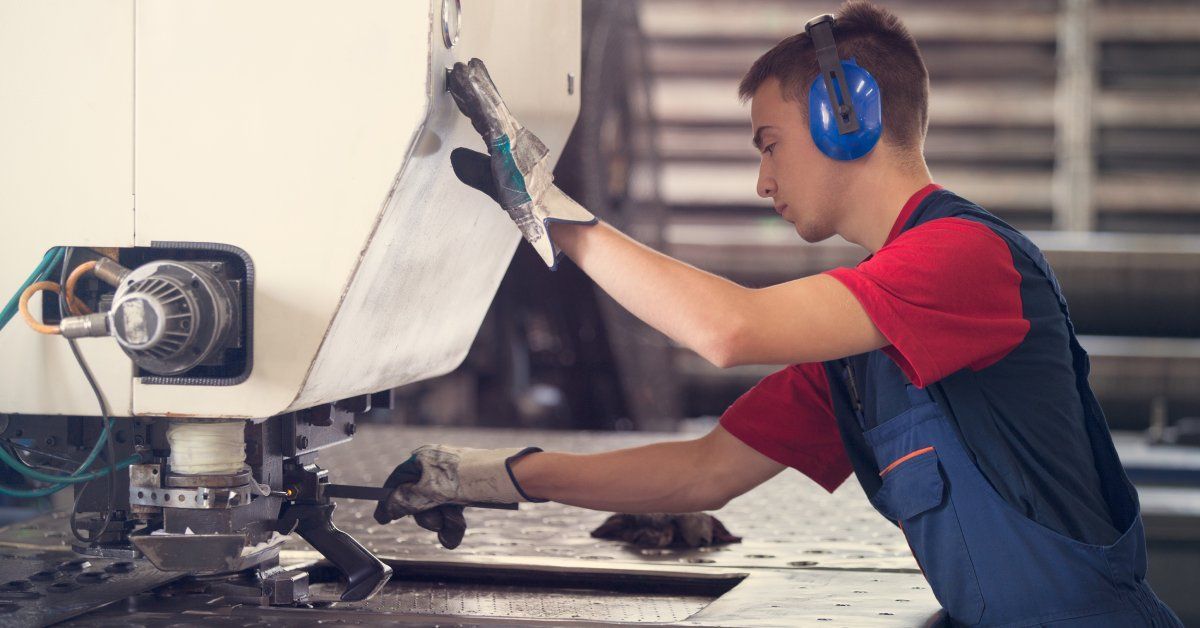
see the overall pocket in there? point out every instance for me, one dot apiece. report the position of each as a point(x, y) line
point(915, 495)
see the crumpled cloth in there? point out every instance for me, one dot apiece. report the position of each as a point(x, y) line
point(693, 529)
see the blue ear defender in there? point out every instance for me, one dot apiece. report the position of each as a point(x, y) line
point(844, 113)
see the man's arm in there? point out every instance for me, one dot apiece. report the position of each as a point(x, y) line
point(807, 320)
point(684, 476)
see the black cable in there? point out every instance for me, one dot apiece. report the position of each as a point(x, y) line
point(110, 448)
point(79, 491)
point(39, 452)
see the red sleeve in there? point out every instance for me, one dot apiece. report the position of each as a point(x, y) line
point(945, 294)
point(788, 417)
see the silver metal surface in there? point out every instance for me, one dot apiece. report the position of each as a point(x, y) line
point(203, 552)
point(507, 600)
point(758, 598)
point(42, 583)
point(211, 480)
point(147, 475)
point(810, 556)
point(788, 522)
point(110, 272)
point(89, 326)
point(807, 558)
point(202, 497)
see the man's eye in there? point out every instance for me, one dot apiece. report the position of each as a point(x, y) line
point(769, 149)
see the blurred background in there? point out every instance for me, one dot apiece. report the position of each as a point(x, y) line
point(1077, 121)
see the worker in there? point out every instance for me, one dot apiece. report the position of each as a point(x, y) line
point(943, 370)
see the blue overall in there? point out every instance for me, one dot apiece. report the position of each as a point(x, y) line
point(987, 563)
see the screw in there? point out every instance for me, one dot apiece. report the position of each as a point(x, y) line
point(301, 442)
point(351, 429)
point(50, 441)
point(570, 84)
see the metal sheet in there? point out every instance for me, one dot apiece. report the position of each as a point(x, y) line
point(788, 522)
point(39, 587)
point(764, 598)
point(808, 558)
point(439, 250)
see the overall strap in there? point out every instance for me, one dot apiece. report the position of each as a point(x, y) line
point(1118, 490)
point(849, 422)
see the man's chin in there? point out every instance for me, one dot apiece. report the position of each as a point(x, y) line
point(811, 235)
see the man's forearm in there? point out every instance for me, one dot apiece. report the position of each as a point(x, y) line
point(663, 477)
point(695, 308)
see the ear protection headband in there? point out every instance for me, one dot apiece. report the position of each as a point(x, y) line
point(843, 102)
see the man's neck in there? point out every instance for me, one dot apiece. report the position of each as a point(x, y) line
point(870, 208)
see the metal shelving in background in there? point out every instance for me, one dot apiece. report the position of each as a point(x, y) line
point(1076, 120)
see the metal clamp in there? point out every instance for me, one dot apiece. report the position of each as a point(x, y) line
point(197, 498)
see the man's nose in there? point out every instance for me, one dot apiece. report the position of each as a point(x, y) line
point(766, 185)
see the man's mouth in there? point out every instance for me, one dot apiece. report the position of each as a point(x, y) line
point(779, 209)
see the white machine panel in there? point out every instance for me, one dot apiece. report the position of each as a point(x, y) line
point(66, 178)
point(314, 136)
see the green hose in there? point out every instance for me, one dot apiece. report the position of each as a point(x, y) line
point(51, 260)
point(76, 476)
point(54, 488)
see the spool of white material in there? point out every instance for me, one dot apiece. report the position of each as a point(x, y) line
point(208, 447)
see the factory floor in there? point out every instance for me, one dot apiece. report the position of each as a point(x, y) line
point(807, 558)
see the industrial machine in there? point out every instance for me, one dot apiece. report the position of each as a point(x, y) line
point(248, 228)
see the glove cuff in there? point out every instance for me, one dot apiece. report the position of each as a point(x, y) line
point(517, 485)
point(484, 476)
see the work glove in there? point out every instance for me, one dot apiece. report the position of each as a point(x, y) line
point(437, 481)
point(516, 172)
point(693, 529)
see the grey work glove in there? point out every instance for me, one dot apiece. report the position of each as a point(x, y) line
point(693, 529)
point(515, 172)
point(436, 482)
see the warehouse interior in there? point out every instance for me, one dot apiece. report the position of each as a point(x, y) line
point(1075, 121)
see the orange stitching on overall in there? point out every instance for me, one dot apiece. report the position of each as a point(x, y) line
point(904, 458)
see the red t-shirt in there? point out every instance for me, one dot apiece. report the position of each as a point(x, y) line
point(946, 296)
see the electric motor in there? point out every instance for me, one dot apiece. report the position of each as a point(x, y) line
point(170, 316)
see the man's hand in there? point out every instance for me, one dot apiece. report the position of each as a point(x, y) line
point(436, 482)
point(515, 172)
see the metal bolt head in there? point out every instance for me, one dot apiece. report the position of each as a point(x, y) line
point(302, 442)
point(351, 429)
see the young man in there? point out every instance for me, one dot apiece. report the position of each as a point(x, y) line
point(943, 370)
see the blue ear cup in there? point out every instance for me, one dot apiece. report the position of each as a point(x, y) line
point(864, 94)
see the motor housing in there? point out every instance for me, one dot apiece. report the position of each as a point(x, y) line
point(170, 316)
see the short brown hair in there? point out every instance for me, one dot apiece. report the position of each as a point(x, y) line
point(876, 39)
